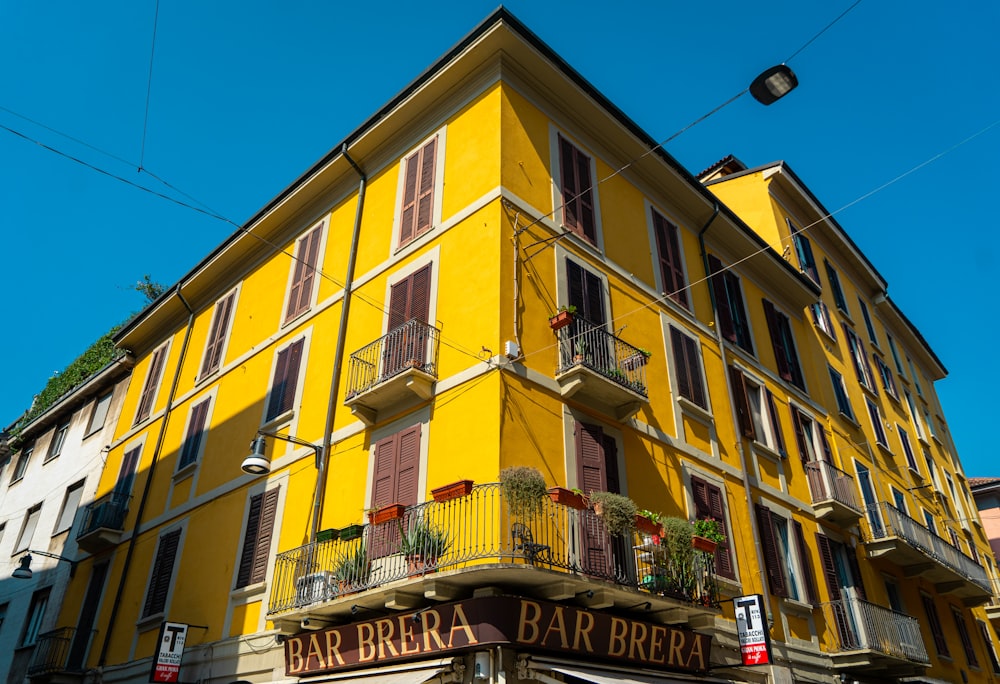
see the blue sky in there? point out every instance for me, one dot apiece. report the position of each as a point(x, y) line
point(246, 95)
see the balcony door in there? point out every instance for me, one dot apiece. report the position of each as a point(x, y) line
point(588, 334)
point(843, 581)
point(601, 554)
point(406, 338)
point(872, 510)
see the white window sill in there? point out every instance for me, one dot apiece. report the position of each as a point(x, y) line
point(279, 421)
point(796, 607)
point(185, 472)
point(688, 406)
point(728, 586)
point(241, 594)
point(766, 451)
point(150, 622)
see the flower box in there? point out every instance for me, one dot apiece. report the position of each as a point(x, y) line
point(394, 511)
point(560, 320)
point(327, 535)
point(646, 526)
point(351, 532)
point(567, 497)
point(703, 544)
point(452, 491)
point(634, 362)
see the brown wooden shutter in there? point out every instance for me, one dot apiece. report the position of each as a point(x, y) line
point(591, 463)
point(408, 469)
point(262, 544)
point(152, 382)
point(395, 480)
point(688, 369)
point(384, 477)
point(709, 502)
point(286, 376)
point(940, 643)
point(777, 341)
point(577, 193)
point(772, 558)
point(669, 255)
point(163, 569)
point(829, 567)
point(859, 582)
point(250, 540)
point(805, 562)
point(425, 194)
point(195, 433)
point(410, 299)
point(217, 335)
point(824, 444)
point(779, 440)
point(722, 304)
point(963, 635)
point(586, 293)
point(303, 273)
point(408, 214)
point(800, 435)
point(126, 475)
point(741, 403)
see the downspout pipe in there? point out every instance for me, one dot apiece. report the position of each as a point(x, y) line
point(345, 309)
point(725, 374)
point(129, 552)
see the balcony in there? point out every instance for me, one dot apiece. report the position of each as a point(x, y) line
point(103, 523)
point(891, 534)
point(834, 494)
point(874, 639)
point(598, 368)
point(49, 662)
point(399, 365)
point(993, 607)
point(446, 551)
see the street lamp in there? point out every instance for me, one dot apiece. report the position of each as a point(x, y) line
point(773, 84)
point(23, 571)
point(257, 462)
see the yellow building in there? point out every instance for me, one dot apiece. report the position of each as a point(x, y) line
point(382, 328)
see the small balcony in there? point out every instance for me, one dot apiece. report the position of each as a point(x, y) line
point(993, 607)
point(891, 534)
point(49, 662)
point(103, 523)
point(445, 551)
point(834, 494)
point(400, 365)
point(598, 368)
point(874, 639)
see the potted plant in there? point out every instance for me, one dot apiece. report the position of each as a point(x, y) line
point(676, 560)
point(636, 360)
point(706, 534)
point(580, 351)
point(523, 489)
point(563, 317)
point(383, 514)
point(647, 522)
point(422, 544)
point(327, 535)
point(615, 510)
point(568, 497)
point(351, 532)
point(352, 568)
point(452, 491)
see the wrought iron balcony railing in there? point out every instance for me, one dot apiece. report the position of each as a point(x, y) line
point(106, 513)
point(413, 345)
point(590, 345)
point(827, 482)
point(885, 520)
point(863, 626)
point(479, 531)
point(51, 652)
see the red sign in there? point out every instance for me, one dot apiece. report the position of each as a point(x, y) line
point(169, 651)
point(752, 629)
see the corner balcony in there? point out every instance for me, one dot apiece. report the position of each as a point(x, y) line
point(445, 551)
point(894, 536)
point(103, 523)
point(598, 368)
point(50, 660)
point(834, 494)
point(400, 365)
point(874, 639)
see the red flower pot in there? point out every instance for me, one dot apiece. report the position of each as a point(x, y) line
point(567, 497)
point(646, 526)
point(391, 512)
point(452, 491)
point(560, 320)
point(703, 544)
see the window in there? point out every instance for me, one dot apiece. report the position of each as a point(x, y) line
point(860, 358)
point(257, 539)
point(99, 413)
point(579, 214)
point(929, 521)
point(963, 634)
point(840, 392)
point(895, 354)
point(803, 249)
point(988, 642)
point(58, 440)
point(36, 613)
point(710, 502)
point(877, 425)
point(281, 397)
point(163, 570)
point(868, 322)
point(931, 470)
point(407, 345)
point(898, 500)
point(940, 644)
point(733, 322)
point(904, 440)
point(888, 382)
point(783, 343)
point(835, 288)
point(194, 439)
point(395, 478)
point(914, 416)
point(821, 319)
point(218, 334)
point(152, 383)
point(916, 378)
point(670, 258)
point(811, 439)
point(22, 463)
point(71, 502)
point(122, 491)
point(756, 412)
point(28, 528)
point(930, 424)
point(788, 569)
point(895, 599)
point(417, 211)
point(687, 367)
point(303, 278)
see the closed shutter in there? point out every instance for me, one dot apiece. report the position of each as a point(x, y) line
point(286, 376)
point(163, 569)
point(577, 193)
point(937, 634)
point(303, 273)
point(848, 640)
point(741, 403)
point(250, 540)
point(195, 434)
point(668, 250)
point(723, 306)
point(257, 540)
point(779, 439)
point(777, 341)
point(409, 299)
point(592, 472)
point(824, 443)
point(805, 562)
point(217, 335)
point(963, 634)
point(800, 436)
point(590, 459)
point(772, 557)
point(710, 503)
point(126, 476)
point(852, 563)
point(417, 210)
point(689, 384)
point(152, 382)
point(396, 476)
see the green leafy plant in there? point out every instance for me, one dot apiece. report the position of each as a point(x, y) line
point(676, 538)
point(568, 309)
point(651, 515)
point(422, 540)
point(709, 528)
point(616, 510)
point(524, 489)
point(353, 566)
point(645, 352)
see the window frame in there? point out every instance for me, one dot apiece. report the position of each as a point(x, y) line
point(708, 500)
point(888, 381)
point(219, 328)
point(734, 320)
point(668, 258)
point(822, 319)
point(692, 370)
point(151, 385)
point(904, 442)
point(258, 536)
point(964, 637)
point(809, 431)
point(275, 409)
point(306, 264)
point(437, 158)
point(560, 202)
point(859, 358)
point(836, 288)
point(756, 417)
point(58, 441)
point(840, 394)
point(869, 326)
point(23, 542)
point(35, 617)
point(804, 252)
point(102, 406)
point(934, 626)
point(786, 356)
point(878, 425)
point(61, 525)
point(161, 577)
point(787, 563)
point(193, 446)
point(21, 464)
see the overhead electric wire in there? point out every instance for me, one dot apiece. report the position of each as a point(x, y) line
point(149, 85)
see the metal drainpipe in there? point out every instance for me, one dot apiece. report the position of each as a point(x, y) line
point(331, 410)
point(149, 481)
point(729, 390)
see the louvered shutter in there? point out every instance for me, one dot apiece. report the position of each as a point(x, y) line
point(937, 633)
point(577, 193)
point(408, 468)
point(681, 365)
point(286, 375)
point(570, 189)
point(723, 306)
point(777, 341)
point(805, 562)
point(590, 458)
point(195, 434)
point(217, 335)
point(303, 273)
point(592, 474)
point(963, 635)
point(824, 443)
point(585, 203)
point(742, 403)
point(425, 192)
point(384, 478)
point(779, 439)
point(163, 568)
point(262, 545)
point(859, 583)
point(152, 382)
point(126, 476)
point(250, 540)
point(800, 436)
point(669, 255)
point(847, 637)
point(772, 557)
point(709, 503)
point(408, 214)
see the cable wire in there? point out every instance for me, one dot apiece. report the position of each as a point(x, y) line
point(810, 41)
point(149, 85)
